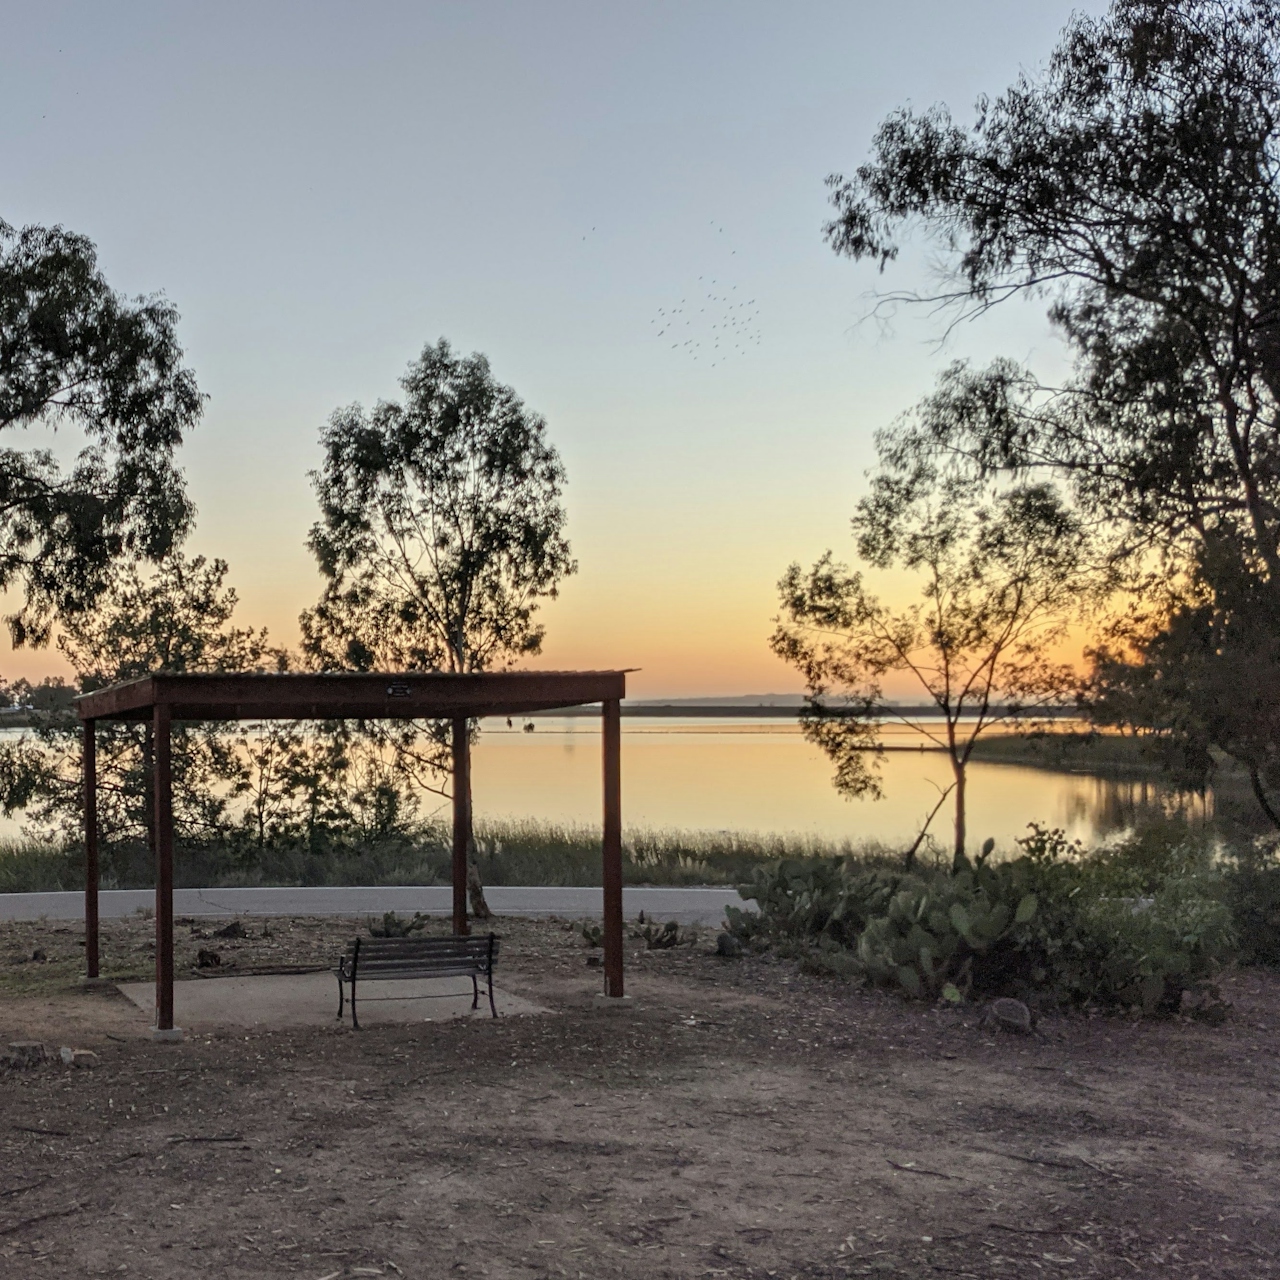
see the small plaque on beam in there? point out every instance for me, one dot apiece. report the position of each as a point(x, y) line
point(398, 689)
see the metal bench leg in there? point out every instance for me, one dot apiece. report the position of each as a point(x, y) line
point(475, 993)
point(355, 968)
point(339, 999)
point(493, 1008)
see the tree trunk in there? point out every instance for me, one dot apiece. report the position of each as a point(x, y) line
point(1260, 795)
point(148, 792)
point(475, 887)
point(958, 859)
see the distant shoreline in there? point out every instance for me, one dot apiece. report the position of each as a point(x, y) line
point(739, 711)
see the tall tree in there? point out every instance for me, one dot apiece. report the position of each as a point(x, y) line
point(441, 532)
point(441, 526)
point(1001, 574)
point(1136, 185)
point(73, 353)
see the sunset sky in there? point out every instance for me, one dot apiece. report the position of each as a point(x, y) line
point(322, 188)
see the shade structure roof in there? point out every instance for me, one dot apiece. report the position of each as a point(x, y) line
point(400, 695)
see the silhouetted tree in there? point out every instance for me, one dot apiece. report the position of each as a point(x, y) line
point(175, 618)
point(1195, 671)
point(1002, 573)
point(75, 353)
point(441, 532)
point(1135, 185)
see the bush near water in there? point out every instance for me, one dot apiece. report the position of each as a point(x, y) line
point(1135, 924)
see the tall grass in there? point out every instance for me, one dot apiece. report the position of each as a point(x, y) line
point(530, 852)
point(525, 852)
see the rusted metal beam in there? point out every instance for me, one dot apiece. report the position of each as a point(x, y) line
point(461, 821)
point(611, 724)
point(90, 849)
point(340, 695)
point(474, 709)
point(164, 868)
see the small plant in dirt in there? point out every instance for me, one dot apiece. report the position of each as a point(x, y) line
point(829, 960)
point(394, 926)
point(661, 937)
point(593, 935)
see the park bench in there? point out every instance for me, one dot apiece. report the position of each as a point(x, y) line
point(403, 959)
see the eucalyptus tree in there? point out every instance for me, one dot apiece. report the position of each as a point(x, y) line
point(1193, 672)
point(1135, 185)
point(441, 525)
point(76, 355)
point(441, 532)
point(1001, 571)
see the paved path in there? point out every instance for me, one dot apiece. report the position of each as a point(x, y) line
point(689, 906)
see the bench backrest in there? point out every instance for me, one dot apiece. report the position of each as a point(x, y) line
point(434, 955)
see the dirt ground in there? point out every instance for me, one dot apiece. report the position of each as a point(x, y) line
point(735, 1118)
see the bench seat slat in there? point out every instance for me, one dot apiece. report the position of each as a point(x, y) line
point(395, 970)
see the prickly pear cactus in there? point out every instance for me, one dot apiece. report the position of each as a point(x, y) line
point(931, 931)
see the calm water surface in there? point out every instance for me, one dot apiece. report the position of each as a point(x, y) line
point(757, 776)
point(762, 776)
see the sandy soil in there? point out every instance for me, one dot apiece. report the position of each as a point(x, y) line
point(734, 1119)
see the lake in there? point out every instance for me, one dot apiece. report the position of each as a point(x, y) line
point(762, 776)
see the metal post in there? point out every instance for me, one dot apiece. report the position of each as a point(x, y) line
point(612, 733)
point(461, 821)
point(90, 849)
point(164, 869)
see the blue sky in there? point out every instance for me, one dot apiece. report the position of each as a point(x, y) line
point(322, 188)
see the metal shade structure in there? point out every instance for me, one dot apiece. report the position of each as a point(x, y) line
point(163, 698)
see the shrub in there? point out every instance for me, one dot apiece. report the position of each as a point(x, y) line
point(939, 931)
point(1133, 924)
point(813, 898)
point(394, 926)
point(1251, 890)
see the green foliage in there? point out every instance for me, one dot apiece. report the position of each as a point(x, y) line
point(1164, 114)
point(1252, 892)
point(1001, 569)
point(441, 525)
point(394, 926)
point(829, 960)
point(1150, 111)
point(73, 353)
point(341, 853)
point(175, 618)
point(1133, 924)
point(947, 930)
point(1146, 954)
point(812, 898)
point(1195, 672)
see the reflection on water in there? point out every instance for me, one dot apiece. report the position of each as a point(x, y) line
point(763, 776)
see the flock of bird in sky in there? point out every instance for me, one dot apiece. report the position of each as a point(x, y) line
point(713, 321)
point(720, 324)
